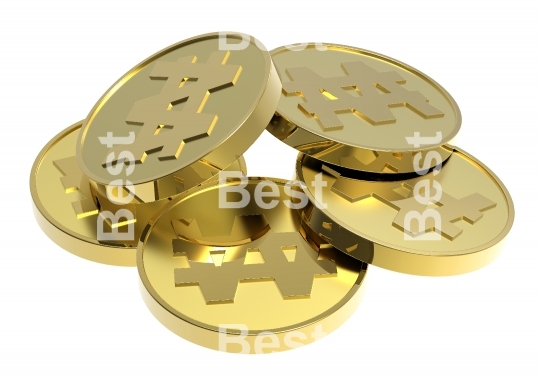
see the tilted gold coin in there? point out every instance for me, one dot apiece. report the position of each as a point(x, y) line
point(360, 110)
point(244, 279)
point(448, 221)
point(66, 208)
point(180, 116)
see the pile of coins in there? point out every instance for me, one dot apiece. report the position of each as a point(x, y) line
point(154, 177)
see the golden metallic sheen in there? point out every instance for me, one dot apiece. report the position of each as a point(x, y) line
point(354, 108)
point(66, 209)
point(203, 267)
point(368, 219)
point(192, 102)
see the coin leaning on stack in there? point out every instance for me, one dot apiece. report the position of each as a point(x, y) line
point(154, 177)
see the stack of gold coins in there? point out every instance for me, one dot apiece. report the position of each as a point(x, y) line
point(169, 124)
point(154, 177)
point(383, 183)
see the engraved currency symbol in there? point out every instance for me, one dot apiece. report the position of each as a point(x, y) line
point(285, 258)
point(178, 107)
point(375, 93)
point(74, 180)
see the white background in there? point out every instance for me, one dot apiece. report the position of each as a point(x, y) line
point(60, 314)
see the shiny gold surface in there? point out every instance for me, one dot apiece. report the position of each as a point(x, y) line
point(366, 218)
point(196, 258)
point(354, 108)
point(190, 103)
point(65, 206)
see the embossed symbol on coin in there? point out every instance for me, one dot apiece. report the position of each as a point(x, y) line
point(285, 258)
point(188, 85)
point(375, 93)
point(377, 161)
point(400, 197)
point(74, 180)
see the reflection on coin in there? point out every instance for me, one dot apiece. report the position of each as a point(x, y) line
point(196, 105)
point(65, 205)
point(359, 109)
point(197, 257)
point(453, 228)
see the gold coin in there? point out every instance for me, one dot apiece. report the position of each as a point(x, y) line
point(360, 110)
point(201, 102)
point(66, 208)
point(243, 279)
point(448, 221)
